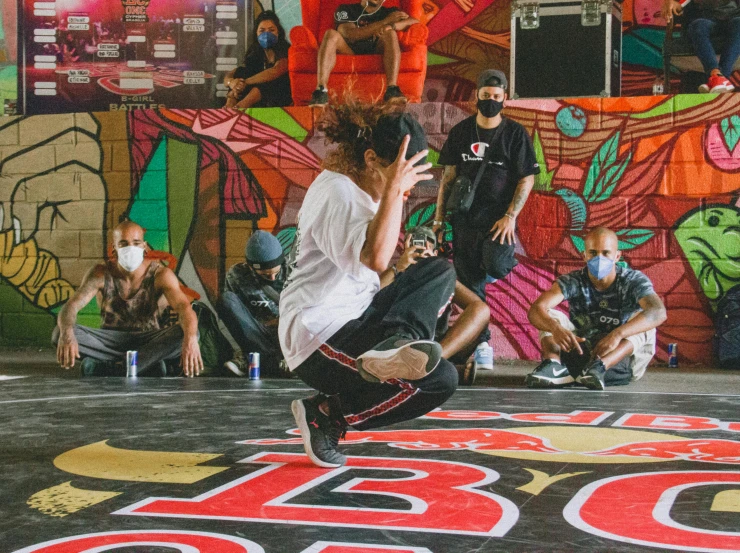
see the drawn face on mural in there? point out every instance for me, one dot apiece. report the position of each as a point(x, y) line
point(710, 240)
point(647, 12)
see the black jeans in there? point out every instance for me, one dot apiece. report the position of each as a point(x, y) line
point(476, 257)
point(410, 306)
point(249, 333)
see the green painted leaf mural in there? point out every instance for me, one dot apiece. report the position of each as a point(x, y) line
point(421, 217)
point(578, 242)
point(605, 171)
point(631, 238)
point(286, 237)
point(730, 131)
point(543, 181)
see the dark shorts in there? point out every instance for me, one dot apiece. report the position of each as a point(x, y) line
point(364, 47)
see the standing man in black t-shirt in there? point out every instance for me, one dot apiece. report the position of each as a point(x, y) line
point(484, 238)
point(363, 28)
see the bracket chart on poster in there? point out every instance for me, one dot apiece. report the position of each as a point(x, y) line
point(110, 55)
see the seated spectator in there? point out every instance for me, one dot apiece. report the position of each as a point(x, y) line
point(459, 341)
point(249, 306)
point(128, 292)
point(708, 18)
point(262, 80)
point(609, 338)
point(363, 28)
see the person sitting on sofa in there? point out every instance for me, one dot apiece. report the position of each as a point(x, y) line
point(363, 28)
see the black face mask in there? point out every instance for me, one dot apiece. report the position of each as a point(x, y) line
point(490, 108)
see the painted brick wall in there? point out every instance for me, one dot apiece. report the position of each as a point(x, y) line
point(662, 171)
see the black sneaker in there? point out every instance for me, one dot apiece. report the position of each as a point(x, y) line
point(320, 433)
point(593, 375)
point(399, 357)
point(238, 365)
point(393, 92)
point(97, 367)
point(549, 374)
point(319, 98)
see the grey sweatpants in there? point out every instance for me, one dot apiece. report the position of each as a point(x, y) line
point(111, 345)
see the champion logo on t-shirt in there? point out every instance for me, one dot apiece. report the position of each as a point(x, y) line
point(479, 148)
point(342, 15)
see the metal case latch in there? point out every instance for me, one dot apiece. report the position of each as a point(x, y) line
point(529, 14)
point(591, 13)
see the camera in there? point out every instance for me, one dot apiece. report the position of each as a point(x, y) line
point(423, 237)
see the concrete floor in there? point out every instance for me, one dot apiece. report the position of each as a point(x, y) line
point(506, 374)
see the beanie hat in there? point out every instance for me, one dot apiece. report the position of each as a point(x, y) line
point(264, 250)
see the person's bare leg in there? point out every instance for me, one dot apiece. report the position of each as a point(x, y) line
point(332, 44)
point(550, 350)
point(624, 349)
point(252, 98)
point(390, 49)
point(465, 330)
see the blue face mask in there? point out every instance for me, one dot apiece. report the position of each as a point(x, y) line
point(267, 40)
point(600, 266)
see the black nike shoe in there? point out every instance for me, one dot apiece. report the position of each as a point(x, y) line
point(320, 433)
point(549, 374)
point(593, 375)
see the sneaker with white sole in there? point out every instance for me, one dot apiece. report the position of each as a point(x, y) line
point(238, 365)
point(483, 357)
point(549, 374)
point(593, 375)
point(319, 98)
point(720, 83)
point(399, 357)
point(320, 433)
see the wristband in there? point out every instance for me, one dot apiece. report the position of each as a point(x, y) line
point(510, 216)
point(395, 270)
point(435, 222)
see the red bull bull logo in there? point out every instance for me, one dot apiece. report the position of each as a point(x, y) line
point(546, 443)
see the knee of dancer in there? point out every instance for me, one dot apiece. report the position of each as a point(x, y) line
point(445, 378)
point(441, 268)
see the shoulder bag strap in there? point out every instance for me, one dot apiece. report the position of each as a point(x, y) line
point(486, 157)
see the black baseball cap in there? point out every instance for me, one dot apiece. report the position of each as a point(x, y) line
point(492, 77)
point(389, 132)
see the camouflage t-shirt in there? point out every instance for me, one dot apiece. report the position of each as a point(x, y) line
point(595, 313)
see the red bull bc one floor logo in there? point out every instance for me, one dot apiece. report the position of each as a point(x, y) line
point(436, 487)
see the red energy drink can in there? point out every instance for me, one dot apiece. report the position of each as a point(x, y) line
point(132, 363)
point(254, 366)
point(673, 355)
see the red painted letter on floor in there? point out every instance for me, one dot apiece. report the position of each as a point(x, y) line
point(442, 496)
point(636, 509)
point(337, 547)
point(203, 542)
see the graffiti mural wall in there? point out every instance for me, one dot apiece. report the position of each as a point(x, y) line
point(663, 172)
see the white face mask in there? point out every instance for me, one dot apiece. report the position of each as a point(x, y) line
point(130, 258)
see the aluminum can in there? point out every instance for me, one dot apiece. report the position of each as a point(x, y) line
point(132, 363)
point(673, 355)
point(254, 366)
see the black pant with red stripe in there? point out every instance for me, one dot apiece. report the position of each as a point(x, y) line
point(410, 306)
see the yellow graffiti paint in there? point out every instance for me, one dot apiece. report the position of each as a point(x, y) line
point(34, 272)
point(542, 480)
point(727, 501)
point(99, 460)
point(64, 499)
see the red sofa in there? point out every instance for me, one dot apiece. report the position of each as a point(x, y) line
point(363, 74)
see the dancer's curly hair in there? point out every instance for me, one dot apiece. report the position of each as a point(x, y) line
point(350, 126)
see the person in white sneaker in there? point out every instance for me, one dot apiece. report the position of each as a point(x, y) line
point(609, 337)
point(369, 351)
point(484, 235)
point(458, 340)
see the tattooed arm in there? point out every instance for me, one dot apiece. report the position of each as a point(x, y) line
point(67, 346)
point(445, 189)
point(504, 227)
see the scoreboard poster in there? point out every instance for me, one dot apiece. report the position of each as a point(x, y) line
point(110, 55)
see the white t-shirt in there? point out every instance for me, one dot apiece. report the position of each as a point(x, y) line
point(328, 285)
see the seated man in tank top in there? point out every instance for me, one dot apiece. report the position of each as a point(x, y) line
point(128, 291)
